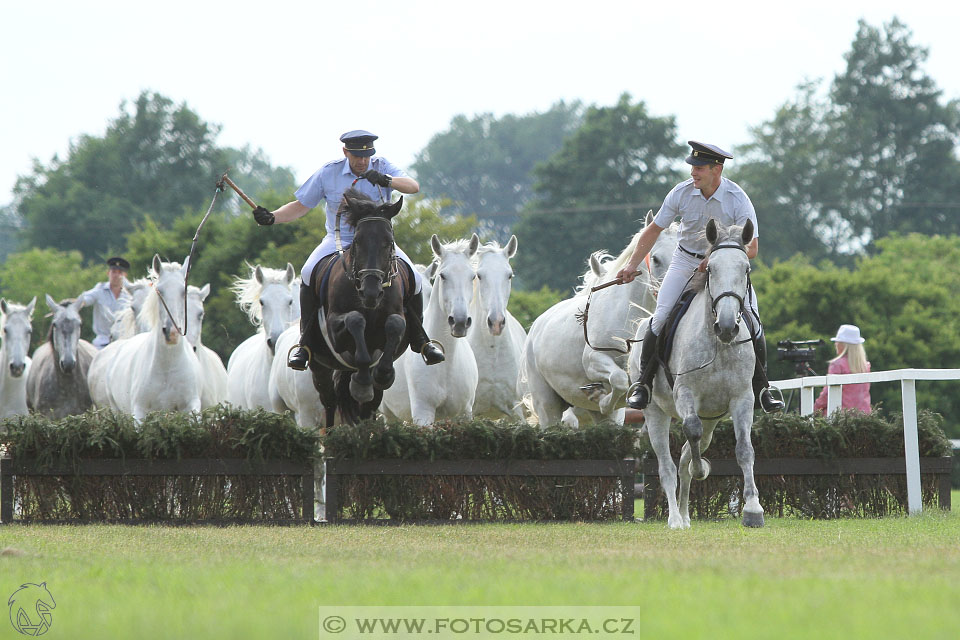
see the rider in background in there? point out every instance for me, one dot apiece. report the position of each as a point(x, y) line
point(379, 178)
point(707, 194)
point(105, 298)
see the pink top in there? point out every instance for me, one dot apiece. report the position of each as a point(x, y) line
point(855, 396)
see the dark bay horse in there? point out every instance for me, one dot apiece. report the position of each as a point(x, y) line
point(360, 328)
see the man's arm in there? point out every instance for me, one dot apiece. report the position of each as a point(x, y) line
point(405, 185)
point(648, 237)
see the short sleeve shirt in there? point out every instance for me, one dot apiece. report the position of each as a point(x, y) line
point(730, 205)
point(333, 178)
point(104, 304)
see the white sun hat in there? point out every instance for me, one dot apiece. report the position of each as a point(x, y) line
point(849, 333)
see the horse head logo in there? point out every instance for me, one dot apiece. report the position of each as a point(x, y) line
point(30, 607)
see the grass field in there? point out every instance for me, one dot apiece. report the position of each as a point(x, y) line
point(890, 578)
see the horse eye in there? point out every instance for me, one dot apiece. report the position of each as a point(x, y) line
point(510, 276)
point(479, 277)
point(261, 303)
point(443, 277)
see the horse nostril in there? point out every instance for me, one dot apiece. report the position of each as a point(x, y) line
point(450, 320)
point(469, 321)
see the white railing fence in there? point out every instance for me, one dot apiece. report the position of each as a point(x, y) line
point(908, 392)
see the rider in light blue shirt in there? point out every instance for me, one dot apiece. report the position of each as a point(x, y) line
point(105, 298)
point(376, 177)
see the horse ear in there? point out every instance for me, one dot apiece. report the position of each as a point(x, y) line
point(474, 245)
point(436, 246)
point(432, 270)
point(649, 219)
point(258, 274)
point(712, 234)
point(204, 291)
point(77, 304)
point(511, 249)
point(291, 273)
point(52, 303)
point(30, 306)
point(747, 234)
point(157, 264)
point(595, 265)
point(394, 209)
point(3, 305)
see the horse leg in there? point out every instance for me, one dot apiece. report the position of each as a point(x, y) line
point(546, 403)
point(658, 429)
point(323, 383)
point(601, 368)
point(384, 373)
point(361, 382)
point(742, 423)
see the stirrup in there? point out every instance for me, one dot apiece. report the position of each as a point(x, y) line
point(632, 390)
point(433, 342)
point(309, 356)
point(774, 392)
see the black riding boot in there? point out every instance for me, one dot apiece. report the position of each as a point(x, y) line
point(431, 352)
point(642, 389)
point(761, 386)
point(299, 356)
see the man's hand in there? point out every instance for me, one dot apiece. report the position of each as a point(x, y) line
point(263, 217)
point(703, 265)
point(377, 178)
point(627, 274)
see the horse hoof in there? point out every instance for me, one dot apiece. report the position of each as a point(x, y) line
point(753, 519)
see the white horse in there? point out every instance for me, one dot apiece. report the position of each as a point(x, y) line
point(213, 375)
point(57, 383)
point(292, 390)
point(497, 343)
point(125, 318)
point(445, 390)
point(560, 370)
point(153, 371)
point(15, 331)
point(713, 362)
point(266, 296)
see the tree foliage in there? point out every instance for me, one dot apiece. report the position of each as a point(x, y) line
point(155, 159)
point(482, 164)
point(621, 156)
point(833, 172)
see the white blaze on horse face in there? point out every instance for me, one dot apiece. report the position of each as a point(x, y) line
point(16, 332)
point(494, 276)
point(727, 273)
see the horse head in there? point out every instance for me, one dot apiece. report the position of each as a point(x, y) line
point(269, 298)
point(64, 333)
point(372, 257)
point(728, 276)
point(493, 284)
point(454, 281)
point(16, 331)
point(165, 309)
point(195, 299)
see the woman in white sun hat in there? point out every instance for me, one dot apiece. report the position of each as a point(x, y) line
point(851, 358)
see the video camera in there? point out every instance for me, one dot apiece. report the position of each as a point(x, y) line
point(800, 352)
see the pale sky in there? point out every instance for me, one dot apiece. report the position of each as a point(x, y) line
point(290, 77)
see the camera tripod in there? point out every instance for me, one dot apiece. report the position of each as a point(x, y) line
point(803, 370)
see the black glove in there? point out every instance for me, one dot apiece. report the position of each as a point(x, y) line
point(377, 178)
point(263, 217)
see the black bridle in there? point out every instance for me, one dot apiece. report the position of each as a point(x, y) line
point(385, 276)
point(731, 294)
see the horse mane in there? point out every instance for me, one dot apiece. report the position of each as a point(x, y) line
point(248, 290)
point(365, 206)
point(151, 306)
point(729, 234)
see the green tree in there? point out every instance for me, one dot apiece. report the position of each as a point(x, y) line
point(156, 158)
point(789, 170)
point(483, 163)
point(595, 191)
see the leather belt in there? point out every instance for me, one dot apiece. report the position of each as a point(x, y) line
point(698, 256)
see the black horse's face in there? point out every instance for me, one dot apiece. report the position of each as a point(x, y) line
point(373, 259)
